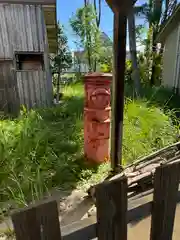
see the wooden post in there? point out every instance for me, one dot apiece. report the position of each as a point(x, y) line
point(111, 202)
point(37, 222)
point(166, 184)
point(120, 24)
point(120, 9)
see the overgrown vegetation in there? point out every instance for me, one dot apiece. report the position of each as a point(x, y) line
point(43, 149)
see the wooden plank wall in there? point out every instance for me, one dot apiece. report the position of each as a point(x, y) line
point(9, 98)
point(3, 101)
point(47, 60)
point(21, 29)
point(32, 87)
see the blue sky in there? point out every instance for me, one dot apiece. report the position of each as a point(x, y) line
point(65, 11)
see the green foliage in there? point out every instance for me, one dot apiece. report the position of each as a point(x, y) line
point(63, 60)
point(128, 72)
point(43, 149)
point(84, 25)
point(106, 68)
point(106, 56)
point(146, 129)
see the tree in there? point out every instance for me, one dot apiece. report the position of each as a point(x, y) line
point(106, 53)
point(98, 12)
point(133, 50)
point(84, 26)
point(156, 15)
point(63, 59)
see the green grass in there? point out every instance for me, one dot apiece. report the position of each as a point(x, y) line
point(43, 149)
point(146, 129)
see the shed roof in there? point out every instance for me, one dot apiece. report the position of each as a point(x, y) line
point(169, 25)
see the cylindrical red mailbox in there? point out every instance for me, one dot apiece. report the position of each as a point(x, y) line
point(97, 116)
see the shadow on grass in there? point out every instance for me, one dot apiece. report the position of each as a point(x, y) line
point(161, 97)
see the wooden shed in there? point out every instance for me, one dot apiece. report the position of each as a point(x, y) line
point(27, 36)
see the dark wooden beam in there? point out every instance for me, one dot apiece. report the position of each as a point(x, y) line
point(120, 24)
point(37, 2)
point(166, 183)
point(121, 10)
point(112, 215)
point(120, 6)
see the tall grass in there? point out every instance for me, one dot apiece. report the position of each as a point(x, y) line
point(43, 149)
point(146, 129)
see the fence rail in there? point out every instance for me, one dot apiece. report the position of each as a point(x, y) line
point(42, 221)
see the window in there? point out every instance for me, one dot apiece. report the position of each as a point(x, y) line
point(29, 61)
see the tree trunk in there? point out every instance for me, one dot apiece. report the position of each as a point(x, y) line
point(157, 12)
point(133, 51)
point(88, 36)
point(58, 85)
point(98, 12)
point(95, 65)
point(89, 55)
point(86, 2)
point(153, 64)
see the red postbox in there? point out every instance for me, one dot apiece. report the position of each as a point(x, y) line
point(97, 112)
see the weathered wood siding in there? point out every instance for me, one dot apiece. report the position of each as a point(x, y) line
point(21, 29)
point(33, 88)
point(9, 98)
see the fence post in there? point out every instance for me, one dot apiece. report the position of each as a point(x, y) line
point(166, 182)
point(37, 222)
point(111, 202)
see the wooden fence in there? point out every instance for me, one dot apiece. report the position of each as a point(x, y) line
point(33, 89)
point(42, 221)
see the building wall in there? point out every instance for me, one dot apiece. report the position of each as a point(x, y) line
point(169, 59)
point(23, 29)
point(177, 71)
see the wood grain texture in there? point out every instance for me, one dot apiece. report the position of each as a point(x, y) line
point(43, 89)
point(2, 39)
point(9, 86)
point(111, 202)
point(48, 218)
point(20, 88)
point(5, 33)
point(37, 222)
point(120, 24)
point(40, 35)
point(26, 225)
point(32, 88)
point(21, 29)
point(120, 6)
point(34, 28)
point(49, 88)
point(166, 182)
point(9, 19)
